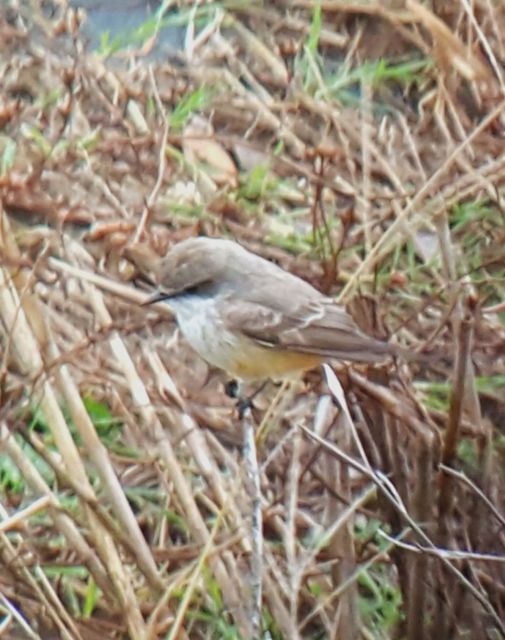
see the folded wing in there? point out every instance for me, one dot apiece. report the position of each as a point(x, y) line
point(318, 327)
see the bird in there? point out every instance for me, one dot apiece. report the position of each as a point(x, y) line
point(249, 317)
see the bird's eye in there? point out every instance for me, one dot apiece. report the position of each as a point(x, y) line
point(192, 290)
point(199, 287)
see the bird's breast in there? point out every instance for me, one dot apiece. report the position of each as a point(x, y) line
point(203, 327)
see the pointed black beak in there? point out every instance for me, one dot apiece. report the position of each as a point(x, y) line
point(158, 296)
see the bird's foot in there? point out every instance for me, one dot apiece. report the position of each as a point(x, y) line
point(244, 402)
point(232, 389)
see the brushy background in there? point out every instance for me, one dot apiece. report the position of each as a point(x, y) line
point(359, 145)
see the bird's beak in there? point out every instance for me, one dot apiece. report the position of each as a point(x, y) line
point(158, 296)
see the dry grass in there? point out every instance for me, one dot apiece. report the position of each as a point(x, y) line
point(125, 504)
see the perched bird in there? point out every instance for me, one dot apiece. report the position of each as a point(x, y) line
point(246, 315)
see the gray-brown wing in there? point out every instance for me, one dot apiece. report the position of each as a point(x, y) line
point(319, 327)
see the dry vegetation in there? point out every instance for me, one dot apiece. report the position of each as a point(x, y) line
point(361, 147)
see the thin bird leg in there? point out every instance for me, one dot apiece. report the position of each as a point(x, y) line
point(233, 390)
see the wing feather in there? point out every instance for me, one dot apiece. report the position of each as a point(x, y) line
point(318, 326)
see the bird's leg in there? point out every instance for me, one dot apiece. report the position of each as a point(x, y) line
point(233, 390)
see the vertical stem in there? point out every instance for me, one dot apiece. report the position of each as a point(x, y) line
point(455, 410)
point(418, 596)
point(256, 532)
